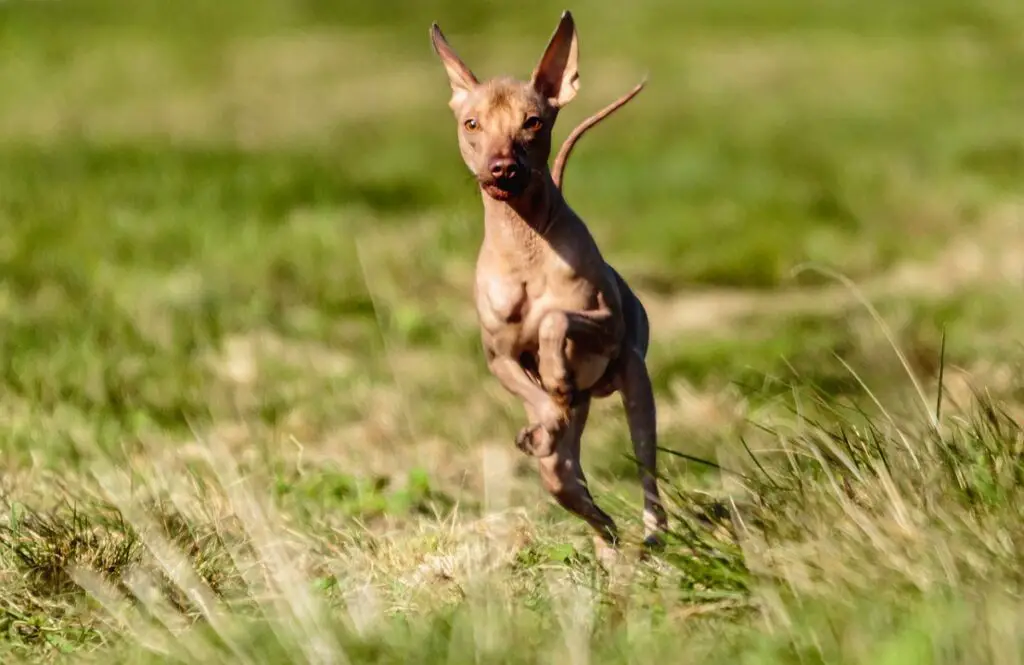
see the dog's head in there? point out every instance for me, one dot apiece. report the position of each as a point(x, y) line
point(505, 124)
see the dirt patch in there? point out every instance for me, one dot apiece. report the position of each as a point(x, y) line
point(993, 253)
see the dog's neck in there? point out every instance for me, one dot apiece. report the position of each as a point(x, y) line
point(523, 222)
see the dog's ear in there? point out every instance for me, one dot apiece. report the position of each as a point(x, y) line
point(557, 75)
point(461, 78)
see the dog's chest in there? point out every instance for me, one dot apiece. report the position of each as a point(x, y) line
point(503, 300)
point(511, 306)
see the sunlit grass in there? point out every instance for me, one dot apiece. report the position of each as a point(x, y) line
point(245, 413)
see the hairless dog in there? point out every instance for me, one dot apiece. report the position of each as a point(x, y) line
point(559, 325)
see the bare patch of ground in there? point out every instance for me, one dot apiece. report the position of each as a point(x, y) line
point(992, 253)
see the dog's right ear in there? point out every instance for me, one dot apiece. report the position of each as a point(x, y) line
point(460, 77)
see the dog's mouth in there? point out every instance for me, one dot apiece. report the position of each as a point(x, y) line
point(503, 189)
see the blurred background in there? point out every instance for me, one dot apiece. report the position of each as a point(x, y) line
point(182, 187)
point(249, 219)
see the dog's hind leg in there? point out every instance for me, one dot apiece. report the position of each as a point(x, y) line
point(562, 476)
point(634, 384)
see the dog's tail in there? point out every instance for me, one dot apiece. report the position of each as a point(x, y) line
point(558, 166)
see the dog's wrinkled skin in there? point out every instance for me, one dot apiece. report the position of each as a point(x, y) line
point(559, 325)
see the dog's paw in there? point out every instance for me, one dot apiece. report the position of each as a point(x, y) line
point(653, 544)
point(564, 393)
point(536, 441)
point(607, 556)
point(554, 415)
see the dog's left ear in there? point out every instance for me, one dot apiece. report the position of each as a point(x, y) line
point(557, 75)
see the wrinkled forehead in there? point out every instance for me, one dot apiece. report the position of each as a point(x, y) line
point(504, 100)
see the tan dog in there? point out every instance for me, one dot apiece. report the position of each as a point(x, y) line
point(559, 325)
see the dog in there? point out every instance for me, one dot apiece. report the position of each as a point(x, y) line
point(559, 326)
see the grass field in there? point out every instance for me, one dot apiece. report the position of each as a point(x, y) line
point(246, 416)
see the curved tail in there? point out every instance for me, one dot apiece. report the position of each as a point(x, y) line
point(558, 166)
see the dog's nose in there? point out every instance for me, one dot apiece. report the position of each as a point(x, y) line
point(504, 167)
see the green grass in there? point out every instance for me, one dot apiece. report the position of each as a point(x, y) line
point(245, 413)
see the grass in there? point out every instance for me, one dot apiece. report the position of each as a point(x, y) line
point(245, 414)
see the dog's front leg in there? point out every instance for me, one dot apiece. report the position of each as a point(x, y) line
point(545, 414)
point(596, 332)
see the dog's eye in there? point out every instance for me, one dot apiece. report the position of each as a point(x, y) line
point(471, 125)
point(533, 123)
